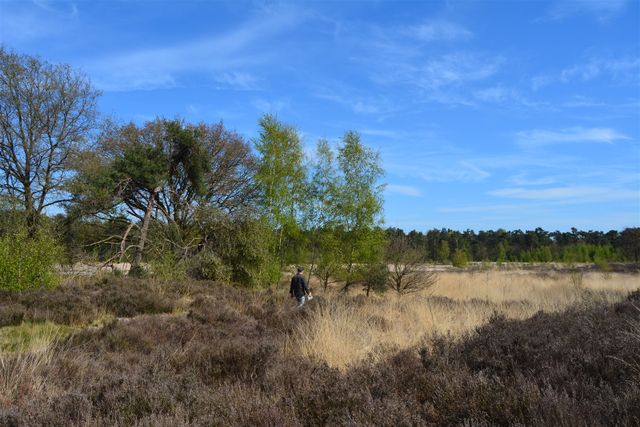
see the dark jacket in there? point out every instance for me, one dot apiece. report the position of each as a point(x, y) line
point(299, 286)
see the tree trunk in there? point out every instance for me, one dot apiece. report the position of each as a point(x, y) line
point(137, 259)
point(31, 218)
point(313, 263)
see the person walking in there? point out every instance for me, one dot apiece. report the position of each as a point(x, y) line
point(299, 288)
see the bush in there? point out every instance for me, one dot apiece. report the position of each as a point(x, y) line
point(164, 266)
point(375, 277)
point(208, 266)
point(460, 258)
point(28, 263)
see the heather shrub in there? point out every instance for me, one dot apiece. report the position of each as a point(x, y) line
point(28, 263)
point(126, 298)
point(64, 304)
point(206, 265)
point(11, 314)
point(228, 362)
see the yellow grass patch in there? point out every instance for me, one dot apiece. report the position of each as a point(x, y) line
point(345, 331)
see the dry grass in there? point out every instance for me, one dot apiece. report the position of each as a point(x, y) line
point(24, 351)
point(347, 330)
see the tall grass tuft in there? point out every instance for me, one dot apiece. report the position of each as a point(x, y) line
point(24, 351)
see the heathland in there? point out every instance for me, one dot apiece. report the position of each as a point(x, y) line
point(480, 347)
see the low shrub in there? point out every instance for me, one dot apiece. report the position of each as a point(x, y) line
point(126, 298)
point(228, 363)
point(11, 314)
point(206, 265)
point(28, 263)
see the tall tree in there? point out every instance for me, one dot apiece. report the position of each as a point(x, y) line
point(280, 178)
point(320, 211)
point(176, 174)
point(359, 203)
point(46, 112)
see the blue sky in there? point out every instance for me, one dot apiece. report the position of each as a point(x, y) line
point(487, 114)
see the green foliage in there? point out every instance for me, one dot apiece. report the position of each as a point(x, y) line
point(460, 258)
point(375, 277)
point(27, 263)
point(30, 335)
point(165, 266)
point(243, 249)
point(359, 204)
point(630, 244)
point(443, 252)
point(206, 265)
point(280, 179)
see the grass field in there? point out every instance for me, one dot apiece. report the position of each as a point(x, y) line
point(478, 348)
point(344, 333)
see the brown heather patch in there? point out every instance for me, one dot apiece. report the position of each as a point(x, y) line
point(236, 358)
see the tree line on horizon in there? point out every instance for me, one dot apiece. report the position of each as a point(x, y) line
point(538, 245)
point(185, 199)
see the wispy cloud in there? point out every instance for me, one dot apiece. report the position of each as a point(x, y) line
point(406, 59)
point(236, 81)
point(437, 169)
point(522, 179)
point(162, 67)
point(622, 70)
point(481, 208)
point(500, 94)
point(61, 8)
point(21, 22)
point(455, 69)
point(437, 30)
point(444, 79)
point(572, 194)
point(382, 133)
point(404, 190)
point(273, 106)
point(540, 137)
point(602, 10)
point(358, 104)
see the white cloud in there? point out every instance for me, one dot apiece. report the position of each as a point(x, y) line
point(438, 30)
point(500, 94)
point(266, 106)
point(436, 169)
point(539, 137)
point(574, 194)
point(382, 133)
point(236, 80)
point(164, 66)
point(481, 208)
point(454, 69)
point(404, 190)
point(602, 10)
point(22, 22)
point(522, 179)
point(358, 104)
point(60, 8)
point(622, 70)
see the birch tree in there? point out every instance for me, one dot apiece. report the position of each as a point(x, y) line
point(280, 179)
